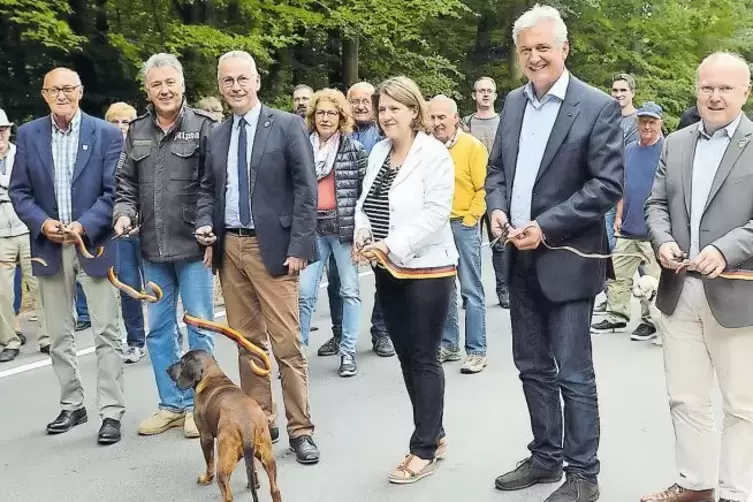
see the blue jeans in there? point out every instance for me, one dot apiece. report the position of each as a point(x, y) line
point(82, 309)
point(378, 324)
point(468, 244)
point(609, 217)
point(311, 277)
point(17, 294)
point(129, 272)
point(553, 354)
point(195, 284)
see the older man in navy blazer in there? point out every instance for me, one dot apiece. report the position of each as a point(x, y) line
point(555, 170)
point(64, 178)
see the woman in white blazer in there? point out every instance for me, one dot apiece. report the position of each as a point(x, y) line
point(404, 211)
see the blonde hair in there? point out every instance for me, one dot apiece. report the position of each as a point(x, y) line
point(120, 109)
point(337, 98)
point(406, 92)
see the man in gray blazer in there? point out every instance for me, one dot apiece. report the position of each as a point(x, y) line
point(555, 169)
point(701, 210)
point(257, 209)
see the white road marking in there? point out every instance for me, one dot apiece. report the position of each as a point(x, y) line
point(89, 350)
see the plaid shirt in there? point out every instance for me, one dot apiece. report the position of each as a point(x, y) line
point(64, 150)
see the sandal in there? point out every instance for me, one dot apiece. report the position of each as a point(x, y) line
point(404, 475)
point(441, 451)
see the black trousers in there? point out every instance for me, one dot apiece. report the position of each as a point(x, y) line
point(415, 311)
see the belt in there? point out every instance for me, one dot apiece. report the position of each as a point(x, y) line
point(242, 232)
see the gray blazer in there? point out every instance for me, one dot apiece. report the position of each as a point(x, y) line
point(727, 221)
point(579, 180)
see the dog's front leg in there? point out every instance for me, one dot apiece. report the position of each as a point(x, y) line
point(207, 446)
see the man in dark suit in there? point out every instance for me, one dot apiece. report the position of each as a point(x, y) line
point(555, 170)
point(257, 207)
point(64, 178)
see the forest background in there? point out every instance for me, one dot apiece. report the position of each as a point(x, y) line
point(443, 44)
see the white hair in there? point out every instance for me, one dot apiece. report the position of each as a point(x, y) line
point(160, 61)
point(361, 85)
point(236, 54)
point(538, 13)
point(441, 98)
point(723, 56)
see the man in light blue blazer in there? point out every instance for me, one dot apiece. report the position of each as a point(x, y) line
point(64, 178)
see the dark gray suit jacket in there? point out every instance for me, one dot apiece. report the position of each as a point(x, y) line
point(727, 221)
point(283, 189)
point(579, 180)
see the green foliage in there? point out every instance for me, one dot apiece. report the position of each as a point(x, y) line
point(445, 45)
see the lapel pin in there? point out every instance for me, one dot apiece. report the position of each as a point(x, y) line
point(266, 124)
point(85, 147)
point(741, 143)
point(569, 114)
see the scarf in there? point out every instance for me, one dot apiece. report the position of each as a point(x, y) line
point(324, 154)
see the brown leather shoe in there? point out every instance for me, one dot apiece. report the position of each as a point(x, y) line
point(676, 493)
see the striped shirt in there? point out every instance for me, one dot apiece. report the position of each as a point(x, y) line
point(376, 205)
point(64, 150)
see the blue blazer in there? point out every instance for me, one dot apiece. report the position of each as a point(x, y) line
point(92, 190)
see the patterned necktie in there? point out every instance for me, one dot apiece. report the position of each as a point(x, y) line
point(244, 199)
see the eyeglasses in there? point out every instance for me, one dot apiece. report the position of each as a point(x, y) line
point(363, 102)
point(229, 82)
point(723, 89)
point(53, 92)
point(328, 113)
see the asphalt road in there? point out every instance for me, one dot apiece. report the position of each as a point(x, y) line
point(363, 425)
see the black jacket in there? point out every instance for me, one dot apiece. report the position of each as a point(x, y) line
point(282, 187)
point(350, 168)
point(158, 183)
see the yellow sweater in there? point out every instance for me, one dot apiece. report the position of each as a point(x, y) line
point(470, 158)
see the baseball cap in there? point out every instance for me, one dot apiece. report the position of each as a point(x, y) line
point(650, 109)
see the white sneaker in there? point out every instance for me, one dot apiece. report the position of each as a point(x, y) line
point(133, 355)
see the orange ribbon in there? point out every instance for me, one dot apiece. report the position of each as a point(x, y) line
point(237, 338)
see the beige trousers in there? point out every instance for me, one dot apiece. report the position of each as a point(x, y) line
point(58, 295)
point(620, 289)
point(17, 249)
point(696, 348)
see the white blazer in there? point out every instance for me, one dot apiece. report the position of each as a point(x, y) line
point(420, 201)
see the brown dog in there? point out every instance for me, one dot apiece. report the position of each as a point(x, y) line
point(223, 411)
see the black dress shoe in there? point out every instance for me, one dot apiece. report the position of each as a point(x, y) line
point(7, 355)
point(575, 490)
point(109, 433)
point(45, 349)
point(82, 325)
point(21, 337)
point(305, 450)
point(66, 420)
point(526, 475)
point(274, 431)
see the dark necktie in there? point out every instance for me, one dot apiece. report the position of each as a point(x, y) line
point(244, 199)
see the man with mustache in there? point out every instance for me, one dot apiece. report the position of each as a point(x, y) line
point(301, 98)
point(470, 158)
point(63, 183)
point(483, 125)
point(556, 168)
point(257, 210)
point(158, 184)
point(701, 210)
point(367, 133)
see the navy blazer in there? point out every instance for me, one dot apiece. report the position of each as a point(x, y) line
point(32, 189)
point(283, 188)
point(580, 178)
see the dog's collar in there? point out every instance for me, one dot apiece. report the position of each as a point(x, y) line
point(200, 386)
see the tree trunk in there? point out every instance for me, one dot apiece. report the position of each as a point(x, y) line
point(349, 61)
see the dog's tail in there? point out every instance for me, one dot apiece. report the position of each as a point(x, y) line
point(248, 456)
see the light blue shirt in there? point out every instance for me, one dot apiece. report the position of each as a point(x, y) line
point(709, 151)
point(538, 122)
point(232, 206)
point(64, 153)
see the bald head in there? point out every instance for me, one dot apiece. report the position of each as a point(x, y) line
point(62, 90)
point(723, 87)
point(443, 116)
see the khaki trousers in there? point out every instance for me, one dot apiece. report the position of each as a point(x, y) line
point(620, 289)
point(17, 249)
point(58, 294)
point(264, 307)
point(696, 348)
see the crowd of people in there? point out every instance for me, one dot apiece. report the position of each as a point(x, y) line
point(270, 201)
